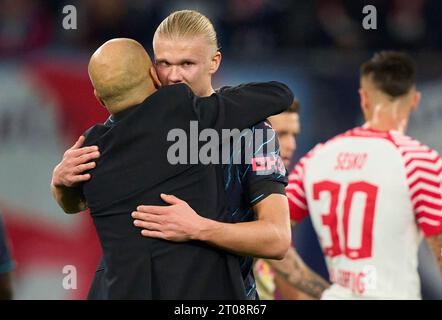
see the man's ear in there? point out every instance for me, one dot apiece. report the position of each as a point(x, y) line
point(155, 79)
point(363, 98)
point(216, 61)
point(416, 100)
point(99, 99)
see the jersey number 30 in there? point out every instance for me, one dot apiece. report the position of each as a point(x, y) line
point(330, 219)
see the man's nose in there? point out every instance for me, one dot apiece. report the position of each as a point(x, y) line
point(175, 75)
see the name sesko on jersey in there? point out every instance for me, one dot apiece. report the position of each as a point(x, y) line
point(369, 194)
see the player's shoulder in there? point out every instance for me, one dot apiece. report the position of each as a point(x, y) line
point(417, 157)
point(223, 89)
point(322, 146)
point(402, 144)
point(95, 132)
point(364, 135)
point(411, 147)
point(175, 90)
point(171, 98)
point(332, 142)
point(358, 132)
point(89, 133)
point(313, 153)
point(261, 131)
point(264, 135)
point(263, 125)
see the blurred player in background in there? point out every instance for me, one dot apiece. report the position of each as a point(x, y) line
point(6, 266)
point(371, 189)
point(291, 278)
point(186, 51)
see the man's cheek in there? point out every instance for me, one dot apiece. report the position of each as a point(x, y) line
point(194, 74)
point(162, 77)
point(284, 149)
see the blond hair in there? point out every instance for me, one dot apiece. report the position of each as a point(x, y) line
point(186, 24)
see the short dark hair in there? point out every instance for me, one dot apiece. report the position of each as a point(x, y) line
point(393, 72)
point(294, 107)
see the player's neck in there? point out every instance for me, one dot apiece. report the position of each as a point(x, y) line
point(208, 92)
point(136, 97)
point(399, 125)
point(388, 116)
point(206, 89)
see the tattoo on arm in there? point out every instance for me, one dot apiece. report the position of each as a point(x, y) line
point(435, 243)
point(296, 273)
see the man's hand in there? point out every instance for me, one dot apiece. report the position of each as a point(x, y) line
point(76, 160)
point(69, 173)
point(177, 222)
point(268, 237)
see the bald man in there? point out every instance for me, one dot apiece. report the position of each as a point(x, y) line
point(136, 267)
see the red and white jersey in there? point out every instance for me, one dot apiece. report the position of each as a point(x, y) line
point(368, 193)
